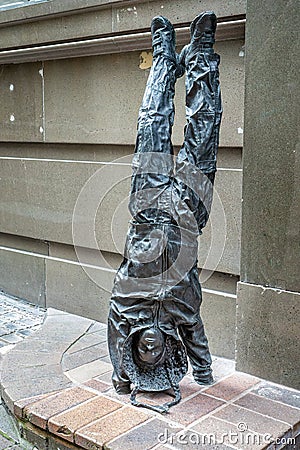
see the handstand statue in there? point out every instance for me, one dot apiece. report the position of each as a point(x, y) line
point(154, 321)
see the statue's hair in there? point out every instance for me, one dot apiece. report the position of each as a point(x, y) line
point(172, 362)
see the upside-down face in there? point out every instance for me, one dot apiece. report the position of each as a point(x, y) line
point(150, 346)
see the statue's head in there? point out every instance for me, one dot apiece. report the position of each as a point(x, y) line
point(153, 360)
point(149, 347)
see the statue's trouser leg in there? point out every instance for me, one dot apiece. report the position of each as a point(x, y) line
point(154, 183)
point(152, 174)
point(199, 150)
point(195, 173)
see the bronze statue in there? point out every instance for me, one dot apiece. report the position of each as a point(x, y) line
point(154, 321)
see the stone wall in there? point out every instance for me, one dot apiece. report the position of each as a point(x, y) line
point(268, 294)
point(68, 112)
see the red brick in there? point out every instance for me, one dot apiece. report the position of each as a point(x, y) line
point(65, 424)
point(270, 408)
point(97, 385)
point(232, 386)
point(39, 412)
point(253, 421)
point(218, 432)
point(280, 393)
point(143, 437)
point(193, 409)
point(109, 427)
point(188, 387)
point(19, 405)
point(154, 398)
point(124, 398)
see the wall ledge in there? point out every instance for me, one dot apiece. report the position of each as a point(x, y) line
point(43, 11)
point(228, 30)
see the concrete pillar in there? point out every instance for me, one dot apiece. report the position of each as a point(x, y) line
point(268, 301)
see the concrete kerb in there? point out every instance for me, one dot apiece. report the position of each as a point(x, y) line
point(33, 366)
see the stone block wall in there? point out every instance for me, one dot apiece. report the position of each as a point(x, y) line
point(268, 294)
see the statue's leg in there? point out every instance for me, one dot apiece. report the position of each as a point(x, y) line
point(196, 344)
point(196, 161)
point(153, 160)
point(150, 197)
point(203, 113)
point(117, 332)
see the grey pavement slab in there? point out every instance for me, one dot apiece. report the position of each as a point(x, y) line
point(7, 425)
point(4, 442)
point(30, 355)
point(18, 319)
point(279, 393)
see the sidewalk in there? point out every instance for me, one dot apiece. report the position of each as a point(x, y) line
point(18, 320)
point(56, 382)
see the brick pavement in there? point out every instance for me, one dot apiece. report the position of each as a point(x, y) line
point(57, 382)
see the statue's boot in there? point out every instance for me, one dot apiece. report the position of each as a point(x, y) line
point(202, 30)
point(163, 38)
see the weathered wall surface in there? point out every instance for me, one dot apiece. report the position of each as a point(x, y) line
point(64, 122)
point(268, 294)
